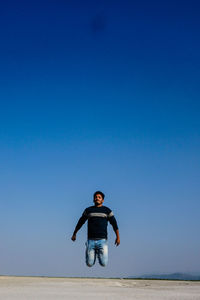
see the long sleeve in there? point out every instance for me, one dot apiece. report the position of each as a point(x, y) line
point(113, 221)
point(81, 221)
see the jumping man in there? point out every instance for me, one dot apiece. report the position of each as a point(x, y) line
point(98, 217)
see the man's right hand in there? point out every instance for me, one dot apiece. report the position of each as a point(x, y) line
point(73, 238)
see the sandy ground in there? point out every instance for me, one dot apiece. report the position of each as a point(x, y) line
point(25, 288)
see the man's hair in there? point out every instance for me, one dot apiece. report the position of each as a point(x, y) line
point(99, 192)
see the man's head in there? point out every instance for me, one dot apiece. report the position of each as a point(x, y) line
point(98, 198)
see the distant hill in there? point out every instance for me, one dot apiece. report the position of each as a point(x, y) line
point(173, 276)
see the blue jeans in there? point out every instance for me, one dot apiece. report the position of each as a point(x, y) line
point(97, 248)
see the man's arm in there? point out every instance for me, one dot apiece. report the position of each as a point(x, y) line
point(113, 222)
point(117, 240)
point(80, 223)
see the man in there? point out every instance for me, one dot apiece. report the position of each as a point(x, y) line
point(98, 217)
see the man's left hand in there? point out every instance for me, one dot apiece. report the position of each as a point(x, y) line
point(117, 241)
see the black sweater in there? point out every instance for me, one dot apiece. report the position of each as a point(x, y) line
point(98, 218)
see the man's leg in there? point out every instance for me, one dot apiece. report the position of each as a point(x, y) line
point(90, 253)
point(102, 251)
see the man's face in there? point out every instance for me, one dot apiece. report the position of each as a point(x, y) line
point(98, 200)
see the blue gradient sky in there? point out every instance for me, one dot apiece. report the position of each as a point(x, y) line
point(99, 95)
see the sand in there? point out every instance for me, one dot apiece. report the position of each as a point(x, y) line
point(28, 288)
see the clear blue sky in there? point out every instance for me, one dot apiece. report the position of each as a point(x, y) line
point(99, 95)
